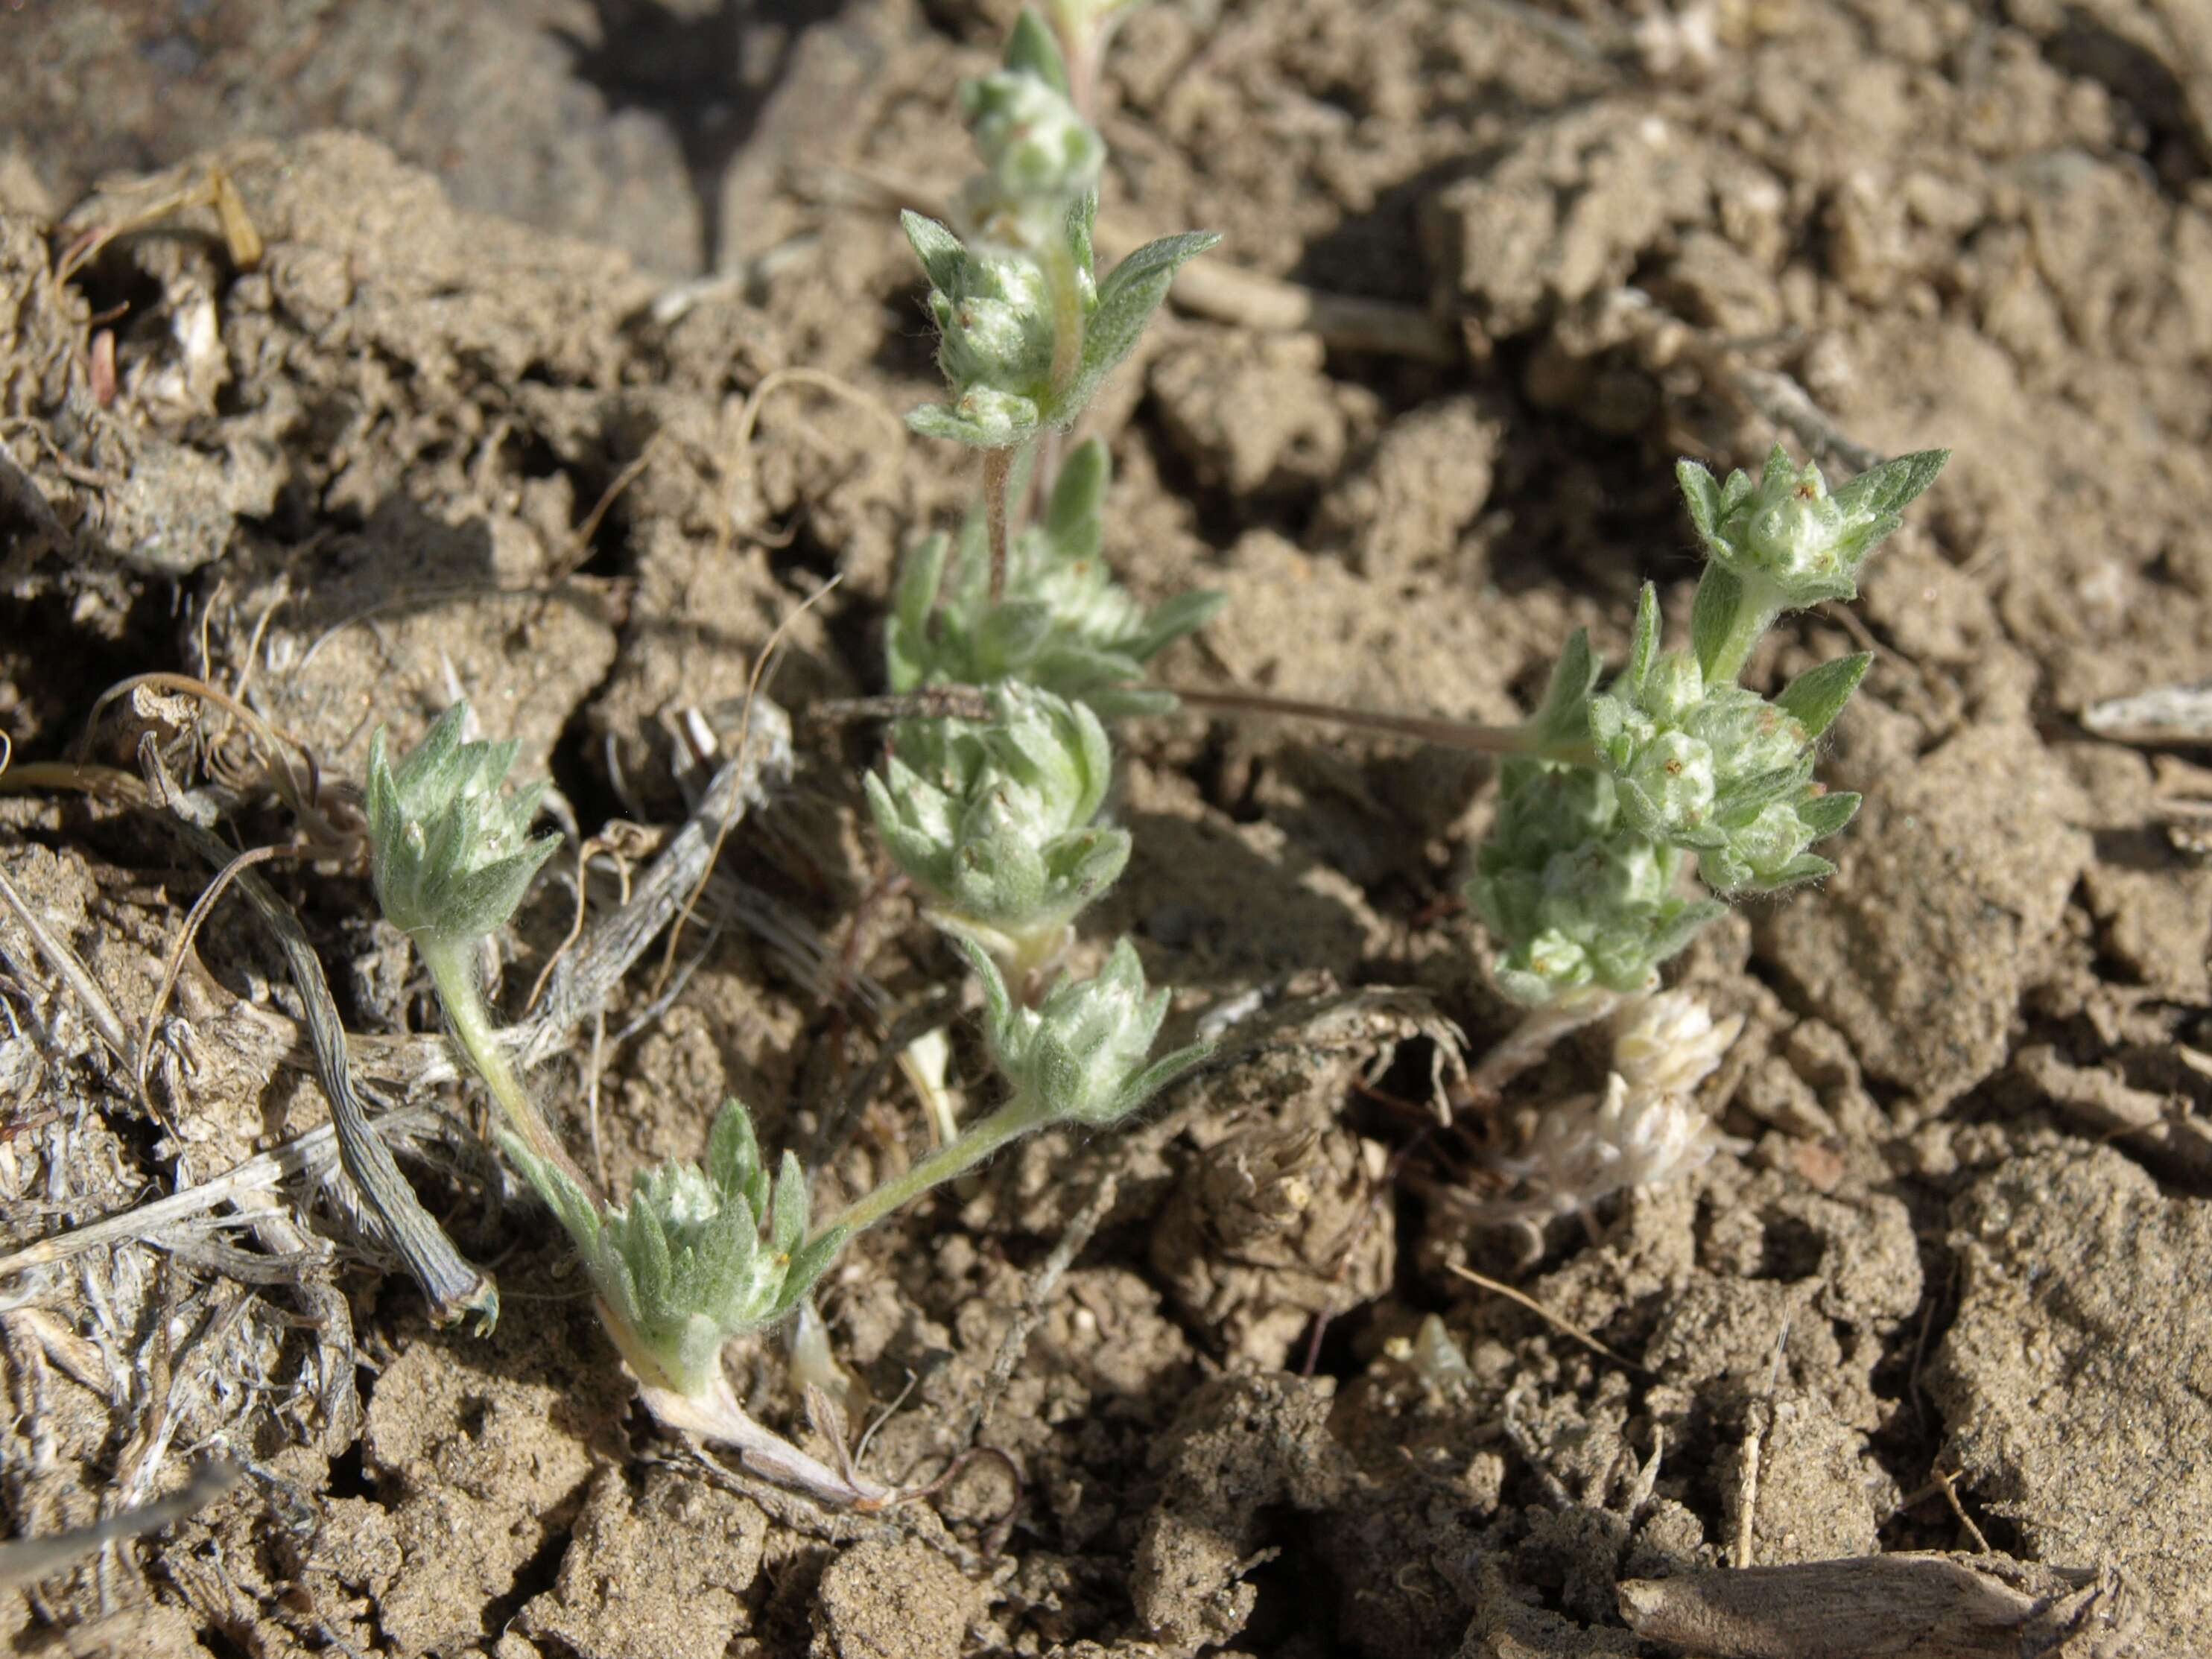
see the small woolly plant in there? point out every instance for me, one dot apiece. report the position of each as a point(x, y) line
point(700, 1253)
point(1028, 330)
point(1613, 795)
point(996, 821)
point(1610, 799)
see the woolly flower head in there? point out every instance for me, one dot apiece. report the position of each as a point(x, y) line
point(451, 855)
point(1670, 1043)
point(1591, 1148)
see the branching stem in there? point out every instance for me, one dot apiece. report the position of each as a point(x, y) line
point(981, 1138)
point(454, 976)
point(1754, 614)
point(998, 471)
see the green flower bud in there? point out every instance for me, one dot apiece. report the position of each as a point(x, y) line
point(1787, 535)
point(1751, 736)
point(992, 820)
point(1674, 774)
point(684, 1265)
point(450, 855)
point(1079, 1054)
point(1717, 769)
point(1677, 686)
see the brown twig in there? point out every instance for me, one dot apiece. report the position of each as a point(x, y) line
point(1442, 733)
point(454, 1288)
point(27, 1560)
point(928, 702)
point(1038, 1297)
point(1881, 1607)
point(1549, 1318)
point(761, 664)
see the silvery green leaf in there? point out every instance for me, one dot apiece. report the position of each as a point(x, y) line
point(1893, 486)
point(1131, 292)
point(1713, 613)
point(1826, 814)
point(1071, 519)
point(1816, 696)
point(571, 1205)
point(1160, 257)
point(921, 573)
point(1673, 933)
point(1806, 866)
point(808, 1263)
point(1742, 799)
point(1644, 643)
point(1082, 217)
point(645, 1242)
point(1086, 673)
point(1030, 49)
point(788, 1224)
point(1564, 715)
point(1015, 630)
point(1131, 702)
point(1172, 618)
point(995, 427)
point(997, 1004)
point(1701, 495)
point(943, 257)
point(1161, 1072)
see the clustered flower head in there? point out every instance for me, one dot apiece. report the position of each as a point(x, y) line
point(1719, 770)
point(1028, 329)
point(1670, 1043)
point(1038, 155)
point(1789, 532)
point(684, 1265)
point(450, 854)
point(995, 821)
point(1080, 1056)
point(1574, 895)
point(1644, 1129)
point(1617, 793)
point(1063, 624)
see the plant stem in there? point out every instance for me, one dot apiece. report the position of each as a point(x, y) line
point(997, 467)
point(1754, 614)
point(716, 1416)
point(455, 977)
point(1061, 282)
point(982, 1138)
point(1444, 733)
